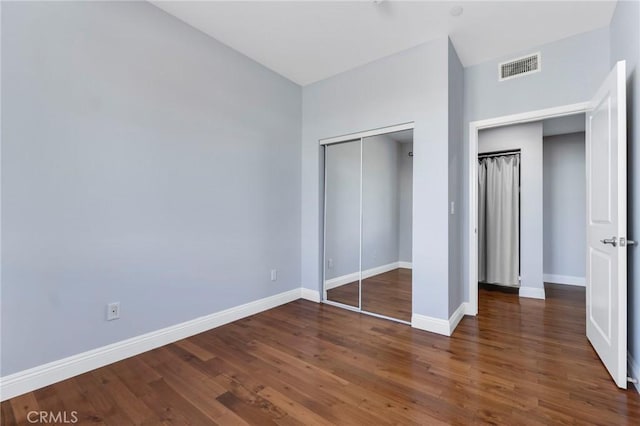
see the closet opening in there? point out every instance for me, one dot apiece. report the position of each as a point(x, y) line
point(368, 207)
point(499, 224)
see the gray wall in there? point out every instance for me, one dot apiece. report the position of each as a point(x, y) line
point(572, 70)
point(625, 44)
point(527, 138)
point(564, 187)
point(456, 179)
point(380, 202)
point(405, 200)
point(142, 162)
point(342, 209)
point(408, 86)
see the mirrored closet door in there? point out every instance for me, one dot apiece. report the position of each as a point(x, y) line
point(387, 175)
point(368, 224)
point(342, 223)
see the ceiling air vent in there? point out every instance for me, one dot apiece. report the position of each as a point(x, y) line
point(519, 67)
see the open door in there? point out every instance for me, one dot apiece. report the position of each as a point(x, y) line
point(606, 156)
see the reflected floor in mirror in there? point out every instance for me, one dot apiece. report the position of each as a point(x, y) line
point(387, 294)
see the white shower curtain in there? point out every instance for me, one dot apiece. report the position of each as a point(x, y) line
point(498, 220)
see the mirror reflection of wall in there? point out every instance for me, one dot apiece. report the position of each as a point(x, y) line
point(405, 198)
point(380, 231)
point(342, 223)
point(368, 224)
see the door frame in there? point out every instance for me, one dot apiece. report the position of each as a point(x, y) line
point(348, 138)
point(472, 195)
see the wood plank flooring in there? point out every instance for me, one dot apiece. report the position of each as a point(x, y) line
point(387, 294)
point(520, 362)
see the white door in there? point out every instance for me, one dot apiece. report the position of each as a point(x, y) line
point(606, 155)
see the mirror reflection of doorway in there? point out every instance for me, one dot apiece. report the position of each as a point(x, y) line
point(368, 224)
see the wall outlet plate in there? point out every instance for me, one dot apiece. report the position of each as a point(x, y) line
point(113, 311)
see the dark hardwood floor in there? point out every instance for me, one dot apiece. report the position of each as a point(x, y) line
point(387, 294)
point(520, 362)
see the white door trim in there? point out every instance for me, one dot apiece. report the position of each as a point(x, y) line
point(474, 127)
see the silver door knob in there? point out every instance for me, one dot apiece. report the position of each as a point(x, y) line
point(613, 241)
point(624, 242)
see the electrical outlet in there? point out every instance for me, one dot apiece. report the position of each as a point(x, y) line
point(330, 264)
point(113, 311)
point(274, 274)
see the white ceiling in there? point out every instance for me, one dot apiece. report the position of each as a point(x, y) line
point(307, 41)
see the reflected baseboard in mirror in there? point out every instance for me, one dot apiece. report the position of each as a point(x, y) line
point(388, 294)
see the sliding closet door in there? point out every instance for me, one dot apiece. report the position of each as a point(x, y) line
point(342, 223)
point(387, 174)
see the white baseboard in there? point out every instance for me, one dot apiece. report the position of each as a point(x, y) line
point(44, 375)
point(355, 276)
point(456, 317)
point(405, 265)
point(468, 310)
point(427, 323)
point(438, 325)
point(634, 371)
point(564, 279)
point(312, 295)
point(532, 292)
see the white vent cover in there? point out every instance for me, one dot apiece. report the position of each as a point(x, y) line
point(519, 66)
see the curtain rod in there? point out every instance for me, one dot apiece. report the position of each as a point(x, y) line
point(499, 153)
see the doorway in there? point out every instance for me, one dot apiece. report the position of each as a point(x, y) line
point(532, 210)
point(530, 245)
point(532, 204)
point(368, 193)
point(606, 215)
